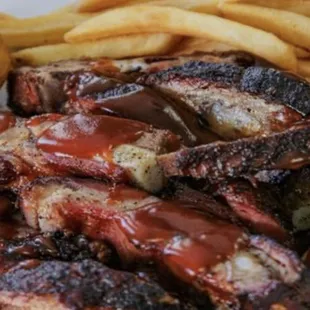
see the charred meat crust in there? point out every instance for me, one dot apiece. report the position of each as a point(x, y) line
point(268, 83)
point(285, 297)
point(258, 209)
point(56, 246)
point(40, 90)
point(80, 285)
point(267, 262)
point(216, 161)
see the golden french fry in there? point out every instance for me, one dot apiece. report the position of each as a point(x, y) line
point(201, 6)
point(46, 29)
point(65, 9)
point(97, 5)
point(116, 47)
point(147, 18)
point(291, 27)
point(298, 6)
point(301, 53)
point(5, 62)
point(189, 46)
point(4, 16)
point(304, 67)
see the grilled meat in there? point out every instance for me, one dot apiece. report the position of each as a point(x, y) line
point(296, 199)
point(220, 160)
point(33, 284)
point(83, 91)
point(156, 64)
point(306, 258)
point(227, 263)
point(36, 272)
point(40, 90)
point(257, 208)
point(98, 146)
point(284, 298)
point(236, 102)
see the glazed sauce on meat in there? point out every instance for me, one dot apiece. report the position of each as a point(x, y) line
point(89, 93)
point(8, 231)
point(122, 192)
point(7, 120)
point(87, 137)
point(40, 119)
point(186, 240)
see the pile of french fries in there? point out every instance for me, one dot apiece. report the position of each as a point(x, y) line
point(277, 31)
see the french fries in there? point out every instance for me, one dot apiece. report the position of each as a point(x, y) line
point(201, 6)
point(116, 47)
point(301, 53)
point(64, 9)
point(5, 62)
point(46, 29)
point(4, 16)
point(298, 6)
point(304, 67)
point(291, 27)
point(190, 46)
point(147, 18)
point(97, 5)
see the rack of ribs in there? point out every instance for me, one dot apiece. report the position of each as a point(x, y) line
point(228, 263)
point(194, 170)
point(66, 271)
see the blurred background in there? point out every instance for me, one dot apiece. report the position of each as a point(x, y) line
point(27, 8)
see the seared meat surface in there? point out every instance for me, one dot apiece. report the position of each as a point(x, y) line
point(184, 174)
point(219, 160)
point(63, 271)
point(98, 146)
point(236, 102)
point(156, 64)
point(43, 89)
point(84, 91)
point(145, 228)
point(33, 284)
point(296, 199)
point(258, 209)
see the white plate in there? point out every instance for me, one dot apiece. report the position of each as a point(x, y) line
point(27, 8)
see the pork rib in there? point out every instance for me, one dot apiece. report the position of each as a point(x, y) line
point(84, 91)
point(42, 89)
point(257, 208)
point(33, 284)
point(227, 264)
point(156, 64)
point(289, 149)
point(236, 102)
point(98, 146)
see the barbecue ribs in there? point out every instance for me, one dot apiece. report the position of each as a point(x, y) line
point(222, 143)
point(228, 263)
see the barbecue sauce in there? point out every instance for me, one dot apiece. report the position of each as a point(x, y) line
point(40, 119)
point(185, 240)
point(89, 93)
point(7, 120)
point(87, 137)
point(122, 192)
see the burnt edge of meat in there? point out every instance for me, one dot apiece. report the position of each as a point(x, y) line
point(268, 83)
point(285, 297)
point(217, 161)
point(86, 284)
point(63, 246)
